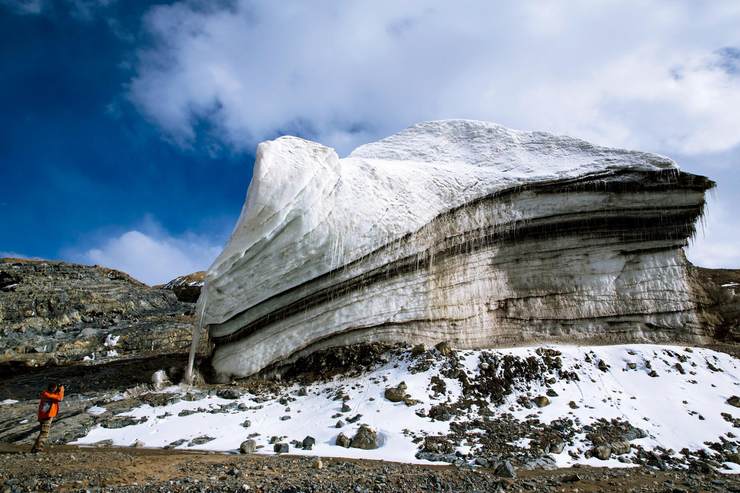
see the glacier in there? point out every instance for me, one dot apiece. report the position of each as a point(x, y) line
point(455, 230)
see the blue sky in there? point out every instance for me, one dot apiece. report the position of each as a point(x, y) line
point(128, 128)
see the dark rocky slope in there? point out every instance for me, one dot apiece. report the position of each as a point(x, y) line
point(56, 313)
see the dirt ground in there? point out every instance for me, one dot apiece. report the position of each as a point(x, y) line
point(67, 468)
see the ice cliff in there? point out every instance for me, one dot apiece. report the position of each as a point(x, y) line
point(454, 230)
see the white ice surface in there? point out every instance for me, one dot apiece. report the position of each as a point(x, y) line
point(662, 406)
point(7, 402)
point(308, 211)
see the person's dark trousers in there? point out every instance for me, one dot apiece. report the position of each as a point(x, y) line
point(43, 435)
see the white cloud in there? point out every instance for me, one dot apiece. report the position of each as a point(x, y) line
point(150, 254)
point(639, 74)
point(661, 76)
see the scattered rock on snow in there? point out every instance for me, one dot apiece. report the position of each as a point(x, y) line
point(308, 443)
point(281, 448)
point(541, 401)
point(365, 438)
point(248, 446)
point(397, 393)
point(343, 440)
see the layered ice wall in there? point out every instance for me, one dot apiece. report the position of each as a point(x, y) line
point(454, 230)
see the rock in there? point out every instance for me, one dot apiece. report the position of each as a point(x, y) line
point(318, 464)
point(345, 408)
point(284, 418)
point(418, 350)
point(343, 440)
point(246, 423)
point(340, 424)
point(176, 443)
point(396, 394)
point(365, 438)
point(229, 393)
point(541, 401)
point(447, 186)
point(734, 401)
point(200, 440)
point(308, 443)
point(603, 366)
point(505, 470)
point(481, 461)
point(248, 446)
point(137, 444)
point(602, 452)
point(444, 348)
point(543, 462)
point(186, 288)
point(122, 421)
point(551, 393)
point(631, 366)
point(557, 447)
point(620, 447)
point(281, 448)
point(572, 405)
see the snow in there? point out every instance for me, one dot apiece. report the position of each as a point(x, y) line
point(96, 410)
point(111, 340)
point(667, 407)
point(7, 402)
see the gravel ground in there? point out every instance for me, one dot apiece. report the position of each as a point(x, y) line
point(65, 468)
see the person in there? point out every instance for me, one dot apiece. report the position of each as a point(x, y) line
point(48, 409)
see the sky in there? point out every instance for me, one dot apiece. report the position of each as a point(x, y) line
point(128, 129)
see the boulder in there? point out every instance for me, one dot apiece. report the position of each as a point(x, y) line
point(365, 438)
point(248, 446)
point(343, 440)
point(505, 470)
point(308, 443)
point(601, 452)
point(396, 394)
point(281, 448)
point(541, 401)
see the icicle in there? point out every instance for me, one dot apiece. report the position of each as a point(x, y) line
point(197, 330)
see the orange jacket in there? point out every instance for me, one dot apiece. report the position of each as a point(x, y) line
point(49, 404)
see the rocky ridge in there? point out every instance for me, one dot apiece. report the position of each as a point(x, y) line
point(57, 313)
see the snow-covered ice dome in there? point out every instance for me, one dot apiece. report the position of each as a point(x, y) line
point(453, 230)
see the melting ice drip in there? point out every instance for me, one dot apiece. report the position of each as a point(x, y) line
point(197, 330)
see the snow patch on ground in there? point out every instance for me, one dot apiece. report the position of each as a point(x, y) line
point(676, 409)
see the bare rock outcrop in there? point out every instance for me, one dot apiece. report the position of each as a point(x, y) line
point(60, 313)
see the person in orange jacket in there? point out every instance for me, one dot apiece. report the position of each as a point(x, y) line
point(48, 409)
